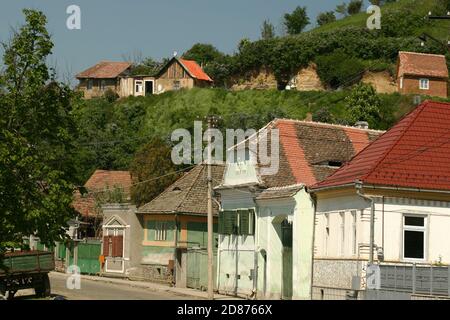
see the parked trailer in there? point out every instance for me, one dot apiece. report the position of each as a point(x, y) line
point(26, 270)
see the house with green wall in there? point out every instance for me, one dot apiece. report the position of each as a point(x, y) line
point(174, 239)
point(265, 242)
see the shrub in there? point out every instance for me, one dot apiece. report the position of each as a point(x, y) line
point(339, 69)
point(110, 95)
point(325, 18)
point(363, 104)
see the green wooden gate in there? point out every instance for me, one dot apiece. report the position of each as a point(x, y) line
point(87, 253)
point(197, 269)
point(88, 257)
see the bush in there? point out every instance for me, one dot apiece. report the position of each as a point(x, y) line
point(339, 69)
point(363, 104)
point(110, 95)
point(325, 18)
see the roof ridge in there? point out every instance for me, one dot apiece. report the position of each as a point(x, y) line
point(422, 53)
point(422, 108)
point(327, 124)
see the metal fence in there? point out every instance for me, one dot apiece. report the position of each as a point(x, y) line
point(416, 279)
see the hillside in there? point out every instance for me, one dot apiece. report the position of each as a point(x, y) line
point(420, 7)
point(370, 50)
point(111, 133)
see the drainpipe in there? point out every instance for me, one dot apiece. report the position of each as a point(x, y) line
point(175, 252)
point(359, 186)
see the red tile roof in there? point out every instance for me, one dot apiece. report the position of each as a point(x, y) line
point(104, 70)
point(102, 179)
point(195, 70)
point(309, 151)
point(421, 64)
point(98, 182)
point(415, 153)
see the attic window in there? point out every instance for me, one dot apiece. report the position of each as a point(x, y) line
point(176, 189)
point(333, 163)
point(336, 164)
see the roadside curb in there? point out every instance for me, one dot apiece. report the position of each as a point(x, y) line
point(151, 286)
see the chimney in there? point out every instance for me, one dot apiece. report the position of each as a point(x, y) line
point(362, 125)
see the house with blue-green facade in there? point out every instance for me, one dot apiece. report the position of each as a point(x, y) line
point(174, 239)
point(265, 242)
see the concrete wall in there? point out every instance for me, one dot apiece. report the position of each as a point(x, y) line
point(132, 234)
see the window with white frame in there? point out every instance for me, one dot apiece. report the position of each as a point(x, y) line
point(342, 246)
point(414, 235)
point(90, 84)
point(424, 84)
point(354, 234)
point(161, 231)
point(139, 87)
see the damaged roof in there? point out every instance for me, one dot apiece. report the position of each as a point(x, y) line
point(188, 194)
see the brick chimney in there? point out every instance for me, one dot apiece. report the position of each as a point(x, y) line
point(362, 125)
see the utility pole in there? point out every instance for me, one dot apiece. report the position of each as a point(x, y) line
point(210, 215)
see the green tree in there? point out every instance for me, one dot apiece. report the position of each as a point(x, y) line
point(341, 9)
point(363, 104)
point(338, 69)
point(148, 66)
point(37, 171)
point(203, 53)
point(325, 18)
point(354, 7)
point(296, 21)
point(267, 30)
point(152, 171)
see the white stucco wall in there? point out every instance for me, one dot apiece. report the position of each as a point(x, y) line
point(388, 228)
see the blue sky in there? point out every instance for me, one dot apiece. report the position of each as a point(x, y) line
point(114, 29)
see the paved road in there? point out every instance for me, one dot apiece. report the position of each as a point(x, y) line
point(97, 290)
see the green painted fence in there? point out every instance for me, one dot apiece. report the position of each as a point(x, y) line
point(88, 253)
point(88, 257)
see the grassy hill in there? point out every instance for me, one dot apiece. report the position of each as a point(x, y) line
point(111, 133)
point(420, 7)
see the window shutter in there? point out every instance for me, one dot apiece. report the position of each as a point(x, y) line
point(106, 246)
point(221, 222)
point(118, 247)
point(252, 221)
point(243, 222)
point(230, 222)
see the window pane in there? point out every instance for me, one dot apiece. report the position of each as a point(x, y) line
point(415, 221)
point(414, 244)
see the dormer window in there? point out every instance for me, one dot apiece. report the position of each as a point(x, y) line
point(331, 163)
point(424, 84)
point(336, 164)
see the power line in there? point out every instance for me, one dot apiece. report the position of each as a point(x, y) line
point(145, 181)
